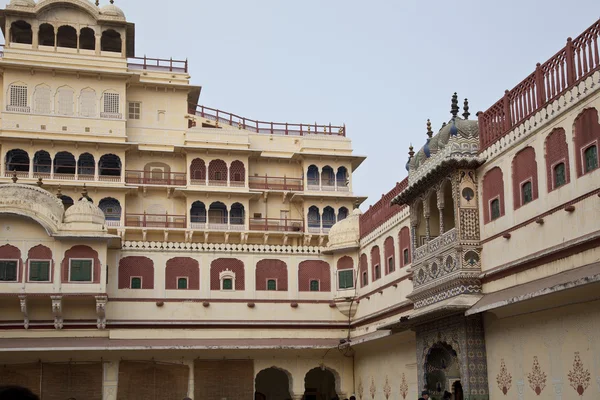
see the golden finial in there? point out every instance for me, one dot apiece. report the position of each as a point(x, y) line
point(411, 153)
point(97, 3)
point(14, 176)
point(429, 131)
point(58, 192)
point(39, 182)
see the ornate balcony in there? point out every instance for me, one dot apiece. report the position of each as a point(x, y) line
point(435, 245)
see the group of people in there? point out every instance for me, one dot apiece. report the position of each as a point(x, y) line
point(446, 396)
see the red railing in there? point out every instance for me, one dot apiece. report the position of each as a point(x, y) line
point(571, 65)
point(155, 178)
point(155, 220)
point(276, 183)
point(276, 225)
point(274, 128)
point(381, 211)
point(158, 64)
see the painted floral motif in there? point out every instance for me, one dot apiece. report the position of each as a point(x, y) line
point(579, 378)
point(504, 378)
point(360, 389)
point(403, 387)
point(537, 377)
point(387, 389)
point(372, 388)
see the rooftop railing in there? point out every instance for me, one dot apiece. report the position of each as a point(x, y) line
point(157, 64)
point(273, 128)
point(571, 65)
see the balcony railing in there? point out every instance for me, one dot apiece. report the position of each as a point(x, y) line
point(157, 64)
point(327, 185)
point(276, 183)
point(155, 178)
point(273, 128)
point(571, 65)
point(276, 225)
point(155, 220)
point(112, 219)
point(217, 224)
point(435, 245)
point(44, 171)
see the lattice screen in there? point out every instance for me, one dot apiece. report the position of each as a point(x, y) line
point(79, 381)
point(217, 170)
point(18, 96)
point(223, 379)
point(237, 172)
point(87, 103)
point(42, 100)
point(27, 375)
point(144, 380)
point(198, 169)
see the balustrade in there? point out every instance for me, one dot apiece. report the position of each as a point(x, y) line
point(435, 245)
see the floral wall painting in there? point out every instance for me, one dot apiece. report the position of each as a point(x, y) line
point(387, 389)
point(537, 377)
point(579, 378)
point(360, 389)
point(504, 378)
point(372, 388)
point(403, 386)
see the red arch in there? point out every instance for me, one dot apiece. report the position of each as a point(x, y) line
point(345, 262)
point(314, 270)
point(364, 268)
point(136, 266)
point(271, 269)
point(182, 267)
point(493, 187)
point(586, 132)
point(388, 250)
point(557, 151)
point(222, 264)
point(81, 251)
point(524, 167)
point(404, 242)
point(375, 260)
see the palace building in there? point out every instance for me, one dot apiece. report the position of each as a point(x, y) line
point(154, 248)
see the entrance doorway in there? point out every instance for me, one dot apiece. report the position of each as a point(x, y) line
point(457, 390)
point(442, 370)
point(319, 384)
point(272, 384)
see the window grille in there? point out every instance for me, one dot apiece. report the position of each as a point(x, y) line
point(18, 98)
point(65, 101)
point(42, 100)
point(495, 208)
point(346, 279)
point(87, 103)
point(39, 271)
point(111, 106)
point(134, 109)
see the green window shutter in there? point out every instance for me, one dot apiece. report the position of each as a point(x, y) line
point(591, 158)
point(271, 284)
point(227, 284)
point(182, 283)
point(136, 283)
point(81, 270)
point(495, 206)
point(405, 256)
point(8, 271)
point(391, 267)
point(346, 279)
point(314, 286)
point(39, 271)
point(527, 192)
point(559, 175)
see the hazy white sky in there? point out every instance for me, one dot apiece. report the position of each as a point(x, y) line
point(381, 67)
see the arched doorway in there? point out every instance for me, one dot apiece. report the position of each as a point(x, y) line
point(319, 384)
point(442, 369)
point(457, 390)
point(272, 384)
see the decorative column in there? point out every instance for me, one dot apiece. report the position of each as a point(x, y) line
point(35, 39)
point(228, 175)
point(96, 170)
point(98, 44)
point(427, 228)
point(31, 161)
point(441, 211)
point(52, 168)
point(320, 179)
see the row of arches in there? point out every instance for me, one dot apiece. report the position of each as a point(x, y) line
point(219, 173)
point(65, 36)
point(558, 166)
point(226, 274)
point(435, 213)
point(327, 219)
point(326, 177)
point(391, 262)
point(63, 165)
point(216, 215)
point(276, 384)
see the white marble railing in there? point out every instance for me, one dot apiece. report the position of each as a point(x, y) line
point(435, 245)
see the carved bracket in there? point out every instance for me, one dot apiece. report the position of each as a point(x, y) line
point(23, 301)
point(101, 311)
point(57, 311)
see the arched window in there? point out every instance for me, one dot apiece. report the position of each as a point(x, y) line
point(390, 257)
point(237, 174)
point(17, 160)
point(42, 164)
point(376, 262)
point(136, 272)
point(591, 158)
point(557, 159)
point(341, 178)
point(493, 189)
point(42, 99)
point(182, 273)
point(434, 216)
point(227, 274)
point(328, 217)
point(198, 172)
point(217, 173)
point(237, 215)
point(342, 213)
point(312, 176)
point(524, 168)
point(64, 101)
point(405, 245)
point(327, 178)
point(87, 39)
point(314, 217)
point(46, 35)
point(364, 268)
point(271, 275)
point(217, 215)
point(109, 168)
point(448, 212)
point(18, 98)
point(526, 193)
point(111, 41)
point(586, 132)
point(67, 201)
point(559, 174)
point(64, 165)
point(87, 103)
point(198, 214)
point(20, 32)
point(66, 36)
point(345, 273)
point(314, 276)
point(112, 210)
point(86, 166)
point(495, 209)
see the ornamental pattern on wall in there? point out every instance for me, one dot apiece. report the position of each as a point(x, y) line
point(579, 378)
point(387, 389)
point(504, 378)
point(469, 224)
point(372, 388)
point(360, 389)
point(537, 377)
point(403, 386)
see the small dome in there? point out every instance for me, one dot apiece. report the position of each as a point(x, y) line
point(22, 3)
point(84, 211)
point(110, 10)
point(345, 233)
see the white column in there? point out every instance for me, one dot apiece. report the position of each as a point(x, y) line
point(228, 178)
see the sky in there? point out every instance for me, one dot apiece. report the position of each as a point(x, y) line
point(381, 67)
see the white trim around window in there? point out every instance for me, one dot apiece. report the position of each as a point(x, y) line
point(582, 155)
point(388, 264)
point(338, 279)
point(16, 272)
point(91, 272)
point(314, 280)
point(553, 174)
point(39, 260)
point(187, 282)
point(227, 274)
point(499, 207)
point(267, 284)
point(521, 193)
point(131, 278)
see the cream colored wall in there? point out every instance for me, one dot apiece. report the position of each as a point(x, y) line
point(273, 167)
point(390, 363)
point(554, 337)
point(137, 160)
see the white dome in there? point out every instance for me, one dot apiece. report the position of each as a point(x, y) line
point(84, 211)
point(22, 3)
point(111, 10)
point(346, 233)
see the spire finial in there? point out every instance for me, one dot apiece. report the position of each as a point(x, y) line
point(15, 178)
point(97, 3)
point(112, 1)
point(429, 131)
point(466, 112)
point(58, 192)
point(411, 153)
point(454, 107)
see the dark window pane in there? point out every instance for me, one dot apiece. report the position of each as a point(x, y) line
point(365, 279)
point(527, 192)
point(405, 256)
point(559, 175)
point(591, 158)
point(271, 284)
point(346, 279)
point(136, 283)
point(182, 283)
point(227, 284)
point(314, 286)
point(377, 272)
point(81, 270)
point(8, 271)
point(495, 206)
point(391, 267)
point(39, 271)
